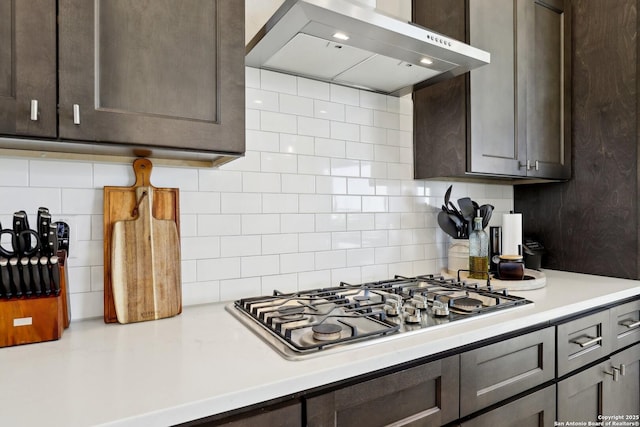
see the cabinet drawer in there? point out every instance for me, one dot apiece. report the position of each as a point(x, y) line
point(425, 395)
point(625, 324)
point(535, 409)
point(582, 341)
point(501, 370)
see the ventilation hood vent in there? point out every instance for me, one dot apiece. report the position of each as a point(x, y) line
point(348, 43)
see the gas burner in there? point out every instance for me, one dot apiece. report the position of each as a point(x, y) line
point(326, 332)
point(306, 322)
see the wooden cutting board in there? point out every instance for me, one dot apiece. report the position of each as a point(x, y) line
point(145, 264)
point(119, 204)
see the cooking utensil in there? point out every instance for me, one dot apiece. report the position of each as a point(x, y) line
point(118, 205)
point(35, 275)
point(468, 211)
point(485, 213)
point(447, 225)
point(5, 280)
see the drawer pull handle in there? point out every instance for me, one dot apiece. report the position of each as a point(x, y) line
point(586, 341)
point(34, 110)
point(630, 323)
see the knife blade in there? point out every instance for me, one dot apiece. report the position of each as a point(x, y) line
point(34, 261)
point(4, 277)
point(26, 277)
point(45, 276)
point(15, 276)
point(55, 273)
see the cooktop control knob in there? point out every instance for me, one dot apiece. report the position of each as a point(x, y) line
point(412, 314)
point(439, 308)
point(393, 305)
point(420, 301)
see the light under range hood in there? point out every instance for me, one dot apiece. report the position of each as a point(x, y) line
point(351, 44)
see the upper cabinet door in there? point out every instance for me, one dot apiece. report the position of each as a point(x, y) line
point(546, 58)
point(28, 68)
point(166, 73)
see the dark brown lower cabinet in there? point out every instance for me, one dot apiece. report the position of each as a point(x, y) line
point(425, 395)
point(283, 415)
point(611, 387)
point(536, 410)
point(499, 371)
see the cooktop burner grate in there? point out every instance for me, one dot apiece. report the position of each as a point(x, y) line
point(308, 321)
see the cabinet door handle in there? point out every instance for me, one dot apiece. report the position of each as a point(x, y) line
point(76, 114)
point(630, 323)
point(615, 373)
point(586, 341)
point(537, 165)
point(622, 369)
point(34, 110)
point(526, 165)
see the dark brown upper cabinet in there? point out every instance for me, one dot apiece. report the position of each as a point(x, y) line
point(511, 118)
point(156, 78)
point(28, 68)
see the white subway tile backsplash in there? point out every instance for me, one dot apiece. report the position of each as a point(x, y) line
point(217, 269)
point(234, 289)
point(331, 222)
point(262, 141)
point(331, 259)
point(240, 203)
point(314, 165)
point(234, 246)
point(331, 185)
point(345, 240)
point(256, 182)
point(360, 151)
point(279, 243)
point(309, 242)
point(298, 183)
point(347, 204)
point(297, 262)
point(327, 147)
point(314, 127)
point(278, 82)
point(324, 193)
point(262, 99)
point(346, 131)
point(218, 225)
point(259, 265)
point(329, 110)
point(192, 202)
point(67, 174)
point(345, 95)
point(360, 116)
point(278, 122)
point(314, 89)
point(360, 221)
point(279, 203)
point(296, 144)
point(345, 167)
point(297, 105)
point(297, 223)
point(260, 223)
point(310, 203)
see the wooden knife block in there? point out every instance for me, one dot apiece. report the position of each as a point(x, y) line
point(31, 320)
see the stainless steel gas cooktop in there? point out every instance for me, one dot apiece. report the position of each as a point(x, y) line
point(310, 322)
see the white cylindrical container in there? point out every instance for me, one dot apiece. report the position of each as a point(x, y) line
point(512, 234)
point(458, 256)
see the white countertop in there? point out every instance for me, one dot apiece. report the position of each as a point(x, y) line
point(205, 362)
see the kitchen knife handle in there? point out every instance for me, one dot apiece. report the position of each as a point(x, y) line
point(34, 110)
point(44, 275)
point(15, 276)
point(76, 114)
point(35, 275)
point(55, 273)
point(26, 277)
point(4, 277)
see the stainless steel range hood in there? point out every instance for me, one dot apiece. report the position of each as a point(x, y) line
point(348, 43)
